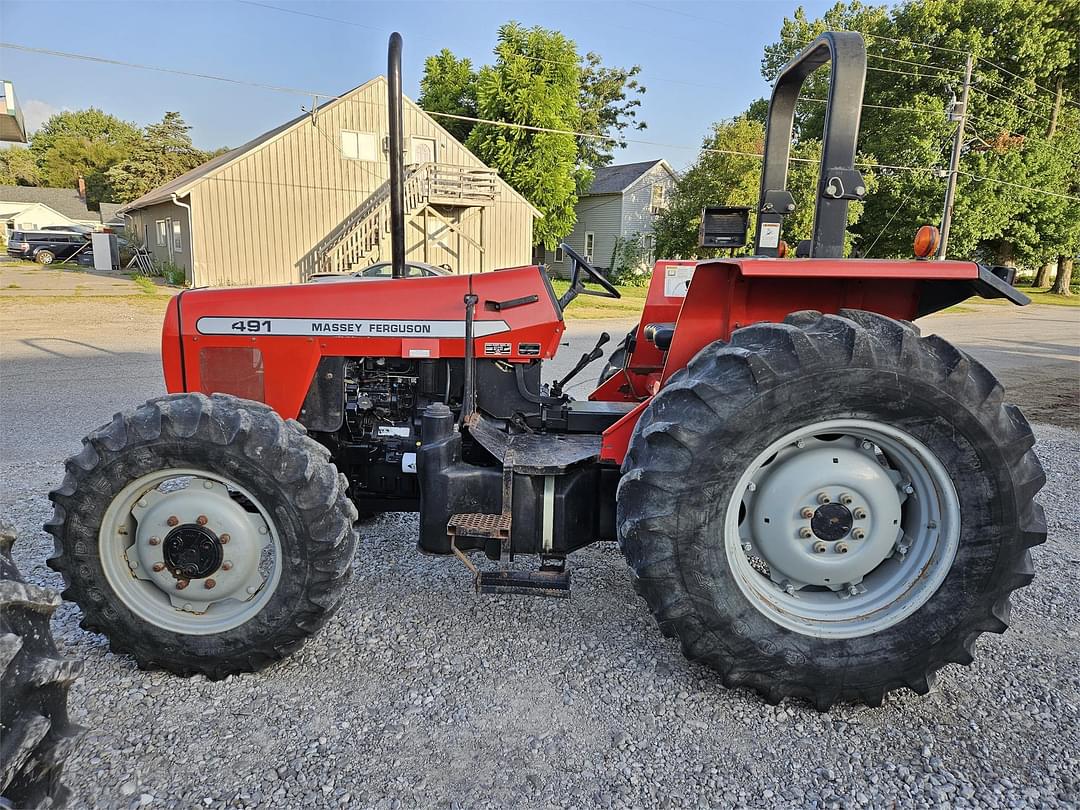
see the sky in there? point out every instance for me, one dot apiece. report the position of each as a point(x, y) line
point(700, 60)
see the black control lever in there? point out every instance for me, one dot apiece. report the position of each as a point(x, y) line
point(596, 353)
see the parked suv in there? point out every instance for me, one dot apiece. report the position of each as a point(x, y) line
point(45, 247)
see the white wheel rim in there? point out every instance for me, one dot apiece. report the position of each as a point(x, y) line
point(145, 555)
point(904, 528)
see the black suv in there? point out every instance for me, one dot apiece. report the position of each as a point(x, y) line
point(45, 247)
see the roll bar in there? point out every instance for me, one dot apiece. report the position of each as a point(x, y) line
point(839, 181)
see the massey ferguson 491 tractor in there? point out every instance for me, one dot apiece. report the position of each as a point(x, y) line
point(813, 498)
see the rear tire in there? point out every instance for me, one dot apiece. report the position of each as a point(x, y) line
point(682, 513)
point(35, 733)
point(44, 257)
point(252, 558)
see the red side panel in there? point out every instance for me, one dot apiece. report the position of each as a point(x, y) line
point(728, 294)
point(285, 331)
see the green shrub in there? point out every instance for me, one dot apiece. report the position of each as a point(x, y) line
point(173, 274)
point(632, 263)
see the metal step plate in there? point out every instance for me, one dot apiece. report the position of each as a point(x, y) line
point(479, 524)
point(527, 583)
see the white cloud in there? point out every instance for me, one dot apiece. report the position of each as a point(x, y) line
point(36, 113)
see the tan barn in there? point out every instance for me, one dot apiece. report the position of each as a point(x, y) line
point(312, 196)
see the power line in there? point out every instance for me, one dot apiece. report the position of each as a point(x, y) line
point(309, 14)
point(928, 65)
point(1023, 79)
point(117, 62)
point(1012, 103)
point(1018, 185)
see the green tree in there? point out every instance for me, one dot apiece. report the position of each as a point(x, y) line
point(18, 168)
point(727, 171)
point(449, 86)
point(535, 81)
point(539, 80)
point(82, 143)
point(163, 153)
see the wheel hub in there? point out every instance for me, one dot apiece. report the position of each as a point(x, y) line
point(831, 521)
point(192, 552)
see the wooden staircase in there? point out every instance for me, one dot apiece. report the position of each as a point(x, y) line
point(357, 240)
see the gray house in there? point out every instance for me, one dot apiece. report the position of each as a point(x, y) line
point(622, 203)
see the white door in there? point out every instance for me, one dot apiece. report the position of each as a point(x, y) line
point(423, 150)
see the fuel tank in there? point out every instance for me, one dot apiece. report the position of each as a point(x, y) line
point(265, 343)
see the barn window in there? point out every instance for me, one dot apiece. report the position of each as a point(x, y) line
point(560, 257)
point(177, 237)
point(657, 202)
point(358, 145)
point(162, 233)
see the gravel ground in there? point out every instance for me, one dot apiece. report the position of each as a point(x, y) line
point(421, 693)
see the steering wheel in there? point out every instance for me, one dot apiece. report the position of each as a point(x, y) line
point(577, 283)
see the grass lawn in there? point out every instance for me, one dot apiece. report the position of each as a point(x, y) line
point(589, 306)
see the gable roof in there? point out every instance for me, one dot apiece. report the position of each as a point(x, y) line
point(617, 179)
point(64, 201)
point(110, 212)
point(183, 184)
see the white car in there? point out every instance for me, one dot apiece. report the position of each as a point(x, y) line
point(383, 270)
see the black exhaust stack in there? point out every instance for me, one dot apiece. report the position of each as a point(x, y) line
point(397, 157)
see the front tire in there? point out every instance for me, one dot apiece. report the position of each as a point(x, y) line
point(203, 534)
point(907, 431)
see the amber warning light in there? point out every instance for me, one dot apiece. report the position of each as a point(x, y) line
point(927, 240)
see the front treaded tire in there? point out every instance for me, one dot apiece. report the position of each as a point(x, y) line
point(35, 733)
point(701, 432)
point(246, 442)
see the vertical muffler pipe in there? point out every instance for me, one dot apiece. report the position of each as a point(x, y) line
point(397, 157)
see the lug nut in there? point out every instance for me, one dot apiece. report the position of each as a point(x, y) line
point(789, 588)
point(227, 565)
point(747, 547)
point(181, 584)
point(820, 547)
point(159, 567)
point(751, 487)
point(858, 534)
point(805, 532)
point(224, 538)
point(210, 583)
point(867, 444)
point(860, 514)
point(807, 513)
point(823, 497)
point(908, 489)
point(201, 520)
point(173, 520)
point(853, 590)
point(846, 499)
point(153, 541)
point(840, 548)
point(800, 444)
point(901, 550)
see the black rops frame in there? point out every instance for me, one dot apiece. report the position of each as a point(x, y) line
point(397, 157)
point(839, 181)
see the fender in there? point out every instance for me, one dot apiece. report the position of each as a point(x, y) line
point(726, 294)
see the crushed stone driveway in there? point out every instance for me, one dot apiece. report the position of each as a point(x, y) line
point(421, 693)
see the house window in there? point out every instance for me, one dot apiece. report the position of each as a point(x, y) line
point(162, 233)
point(657, 202)
point(177, 237)
point(590, 240)
point(560, 256)
point(358, 145)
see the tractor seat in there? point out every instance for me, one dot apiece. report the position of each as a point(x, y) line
point(660, 335)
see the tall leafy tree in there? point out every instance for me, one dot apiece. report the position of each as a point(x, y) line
point(82, 143)
point(538, 80)
point(18, 168)
point(449, 86)
point(163, 153)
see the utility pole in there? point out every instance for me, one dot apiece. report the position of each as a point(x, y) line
point(954, 164)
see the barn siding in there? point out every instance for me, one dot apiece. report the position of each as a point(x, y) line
point(260, 218)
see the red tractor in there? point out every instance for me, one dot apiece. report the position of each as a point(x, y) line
point(816, 500)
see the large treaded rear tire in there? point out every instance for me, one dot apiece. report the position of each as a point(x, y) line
point(35, 733)
point(246, 442)
point(699, 434)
